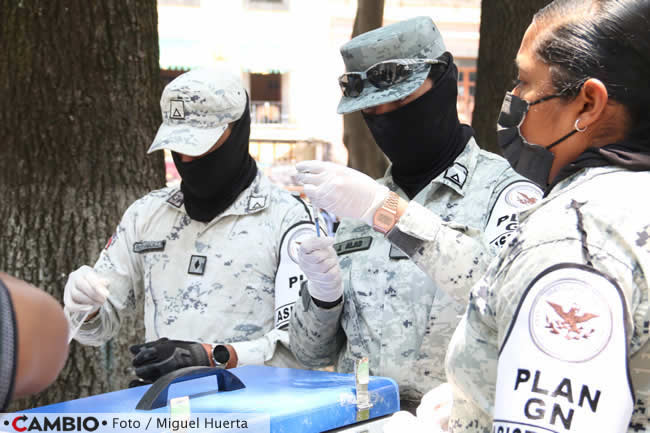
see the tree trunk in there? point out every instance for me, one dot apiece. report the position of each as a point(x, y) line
point(363, 154)
point(503, 24)
point(80, 84)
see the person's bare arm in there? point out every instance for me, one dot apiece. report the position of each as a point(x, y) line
point(42, 332)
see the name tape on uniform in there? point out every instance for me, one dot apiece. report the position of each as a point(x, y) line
point(148, 246)
point(353, 245)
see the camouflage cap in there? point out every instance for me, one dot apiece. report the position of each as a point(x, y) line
point(196, 109)
point(416, 38)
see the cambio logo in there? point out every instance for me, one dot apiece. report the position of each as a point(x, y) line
point(55, 423)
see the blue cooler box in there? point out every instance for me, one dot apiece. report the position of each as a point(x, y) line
point(294, 400)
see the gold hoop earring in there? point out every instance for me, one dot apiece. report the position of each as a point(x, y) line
point(577, 128)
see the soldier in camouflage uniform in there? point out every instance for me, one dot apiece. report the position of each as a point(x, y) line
point(214, 260)
point(391, 311)
point(556, 333)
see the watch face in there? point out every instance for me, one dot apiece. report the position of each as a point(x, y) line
point(220, 354)
point(383, 220)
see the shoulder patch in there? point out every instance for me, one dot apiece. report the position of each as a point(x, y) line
point(289, 276)
point(503, 219)
point(176, 199)
point(353, 245)
point(457, 174)
point(522, 194)
point(569, 319)
point(563, 365)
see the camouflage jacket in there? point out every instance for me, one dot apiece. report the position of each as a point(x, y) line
point(392, 312)
point(539, 343)
point(232, 280)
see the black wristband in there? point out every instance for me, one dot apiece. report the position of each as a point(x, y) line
point(199, 354)
point(327, 305)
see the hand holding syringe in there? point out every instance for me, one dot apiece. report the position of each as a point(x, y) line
point(319, 263)
point(85, 292)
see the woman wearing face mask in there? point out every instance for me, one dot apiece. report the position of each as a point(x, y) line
point(555, 337)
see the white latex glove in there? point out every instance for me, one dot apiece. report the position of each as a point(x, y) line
point(435, 407)
point(319, 262)
point(402, 422)
point(341, 190)
point(85, 290)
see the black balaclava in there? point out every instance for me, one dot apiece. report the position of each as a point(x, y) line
point(424, 137)
point(212, 183)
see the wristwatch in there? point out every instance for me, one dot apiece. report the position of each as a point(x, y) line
point(386, 216)
point(220, 355)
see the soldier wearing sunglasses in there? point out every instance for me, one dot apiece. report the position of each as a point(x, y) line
point(372, 300)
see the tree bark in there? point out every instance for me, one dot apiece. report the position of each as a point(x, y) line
point(363, 153)
point(80, 83)
point(503, 24)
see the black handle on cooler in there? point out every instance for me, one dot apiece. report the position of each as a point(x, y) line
point(156, 396)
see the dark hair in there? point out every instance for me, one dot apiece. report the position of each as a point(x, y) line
point(604, 39)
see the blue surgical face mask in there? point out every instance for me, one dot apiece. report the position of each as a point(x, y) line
point(532, 161)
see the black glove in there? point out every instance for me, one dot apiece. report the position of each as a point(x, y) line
point(139, 382)
point(157, 358)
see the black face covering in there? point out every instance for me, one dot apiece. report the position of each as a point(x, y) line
point(530, 160)
point(424, 137)
point(534, 161)
point(212, 183)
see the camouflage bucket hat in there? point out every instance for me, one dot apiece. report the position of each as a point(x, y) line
point(416, 38)
point(197, 108)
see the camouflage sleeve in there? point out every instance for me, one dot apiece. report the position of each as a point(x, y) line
point(315, 333)
point(562, 322)
point(454, 256)
point(117, 264)
point(295, 223)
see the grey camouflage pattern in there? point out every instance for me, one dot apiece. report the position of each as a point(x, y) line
point(232, 302)
point(196, 109)
point(617, 224)
point(414, 38)
point(392, 311)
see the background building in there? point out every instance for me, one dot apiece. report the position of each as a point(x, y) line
point(287, 52)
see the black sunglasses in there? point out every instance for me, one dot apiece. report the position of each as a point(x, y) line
point(381, 75)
